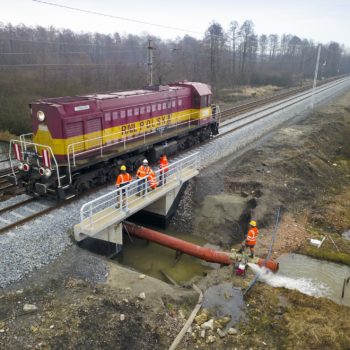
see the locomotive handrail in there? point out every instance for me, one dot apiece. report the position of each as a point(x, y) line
point(36, 145)
point(72, 154)
point(137, 190)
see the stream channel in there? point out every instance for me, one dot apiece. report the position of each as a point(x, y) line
point(161, 262)
point(310, 276)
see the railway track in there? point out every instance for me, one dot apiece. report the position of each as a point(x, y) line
point(31, 208)
point(22, 212)
point(250, 118)
point(246, 107)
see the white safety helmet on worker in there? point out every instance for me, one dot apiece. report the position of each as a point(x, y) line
point(145, 162)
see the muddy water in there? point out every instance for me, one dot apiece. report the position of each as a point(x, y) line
point(224, 300)
point(311, 276)
point(161, 262)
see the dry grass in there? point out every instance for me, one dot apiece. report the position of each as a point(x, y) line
point(314, 323)
point(6, 136)
point(285, 319)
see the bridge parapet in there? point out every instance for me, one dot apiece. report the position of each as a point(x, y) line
point(101, 217)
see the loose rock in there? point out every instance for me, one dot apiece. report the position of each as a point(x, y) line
point(221, 333)
point(211, 339)
point(29, 308)
point(232, 331)
point(202, 317)
point(208, 325)
point(142, 296)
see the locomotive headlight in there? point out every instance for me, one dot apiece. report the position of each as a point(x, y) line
point(20, 166)
point(40, 115)
point(48, 172)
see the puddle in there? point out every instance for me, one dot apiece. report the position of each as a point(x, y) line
point(346, 235)
point(309, 276)
point(160, 262)
point(224, 300)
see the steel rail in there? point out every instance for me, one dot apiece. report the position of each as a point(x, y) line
point(296, 100)
point(17, 205)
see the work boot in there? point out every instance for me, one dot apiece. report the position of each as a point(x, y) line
point(251, 255)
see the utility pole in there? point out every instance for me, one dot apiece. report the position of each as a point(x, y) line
point(315, 77)
point(150, 49)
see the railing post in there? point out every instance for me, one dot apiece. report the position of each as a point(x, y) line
point(73, 153)
point(90, 211)
point(146, 185)
point(127, 197)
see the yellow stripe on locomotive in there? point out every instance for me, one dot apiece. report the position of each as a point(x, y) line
point(117, 133)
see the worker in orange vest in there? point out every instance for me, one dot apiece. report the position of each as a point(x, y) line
point(142, 174)
point(251, 238)
point(152, 180)
point(164, 167)
point(123, 179)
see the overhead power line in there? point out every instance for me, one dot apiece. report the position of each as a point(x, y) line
point(62, 65)
point(118, 17)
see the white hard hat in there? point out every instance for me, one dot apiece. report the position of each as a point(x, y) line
point(145, 161)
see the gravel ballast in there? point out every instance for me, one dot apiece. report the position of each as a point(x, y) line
point(35, 244)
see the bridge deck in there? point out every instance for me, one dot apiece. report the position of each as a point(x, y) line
point(108, 210)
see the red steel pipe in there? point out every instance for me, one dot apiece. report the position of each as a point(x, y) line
point(206, 254)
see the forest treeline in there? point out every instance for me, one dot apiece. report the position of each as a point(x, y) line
point(47, 62)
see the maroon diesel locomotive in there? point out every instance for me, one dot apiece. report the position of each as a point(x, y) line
point(80, 141)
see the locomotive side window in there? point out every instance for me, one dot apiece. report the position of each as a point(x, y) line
point(136, 111)
point(159, 106)
point(179, 102)
point(129, 112)
point(122, 114)
point(196, 101)
point(169, 104)
point(107, 117)
point(173, 104)
point(148, 109)
point(142, 110)
point(164, 105)
point(115, 115)
point(204, 101)
point(154, 108)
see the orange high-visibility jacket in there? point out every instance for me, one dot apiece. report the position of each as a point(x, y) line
point(164, 165)
point(143, 171)
point(252, 236)
point(123, 179)
point(152, 178)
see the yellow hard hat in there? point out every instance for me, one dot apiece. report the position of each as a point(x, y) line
point(123, 168)
point(252, 223)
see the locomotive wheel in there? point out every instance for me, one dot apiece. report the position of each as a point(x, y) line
point(82, 186)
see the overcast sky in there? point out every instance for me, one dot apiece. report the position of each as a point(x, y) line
point(320, 20)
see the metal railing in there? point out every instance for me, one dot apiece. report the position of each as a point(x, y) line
point(104, 142)
point(122, 198)
point(25, 145)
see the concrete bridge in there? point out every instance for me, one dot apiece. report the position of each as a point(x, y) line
point(102, 217)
